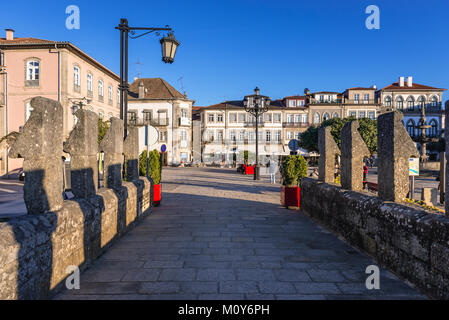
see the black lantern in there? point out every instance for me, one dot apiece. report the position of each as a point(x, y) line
point(169, 45)
point(256, 105)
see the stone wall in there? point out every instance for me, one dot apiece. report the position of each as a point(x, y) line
point(411, 242)
point(35, 250)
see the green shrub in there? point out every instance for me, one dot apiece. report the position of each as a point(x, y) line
point(155, 165)
point(294, 168)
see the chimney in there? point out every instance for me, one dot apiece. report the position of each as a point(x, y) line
point(409, 81)
point(141, 90)
point(401, 81)
point(9, 34)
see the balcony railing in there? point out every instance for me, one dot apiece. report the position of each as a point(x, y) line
point(370, 101)
point(139, 122)
point(253, 124)
point(295, 124)
point(335, 101)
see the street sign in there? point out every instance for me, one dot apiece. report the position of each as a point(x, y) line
point(293, 145)
point(413, 167)
point(163, 148)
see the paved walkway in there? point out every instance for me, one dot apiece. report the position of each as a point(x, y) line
point(220, 235)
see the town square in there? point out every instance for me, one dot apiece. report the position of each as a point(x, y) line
point(208, 151)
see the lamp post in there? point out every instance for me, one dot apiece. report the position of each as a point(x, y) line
point(256, 105)
point(423, 139)
point(168, 44)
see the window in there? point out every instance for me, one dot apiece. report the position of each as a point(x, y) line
point(277, 117)
point(316, 118)
point(89, 84)
point(118, 97)
point(268, 117)
point(362, 114)
point(219, 135)
point(329, 98)
point(388, 101)
point(421, 102)
point(366, 97)
point(100, 89)
point(297, 118)
point(110, 94)
point(335, 115)
point(297, 135)
point(242, 117)
point(232, 135)
point(411, 127)
point(233, 117)
point(28, 109)
point(356, 98)
point(242, 135)
point(371, 115)
point(147, 116)
point(211, 117)
point(163, 135)
point(292, 103)
point(300, 103)
point(289, 118)
point(305, 118)
point(268, 136)
point(321, 98)
point(32, 73)
point(326, 116)
point(410, 103)
point(251, 118)
point(183, 135)
point(132, 117)
point(220, 117)
point(353, 114)
point(433, 132)
point(184, 113)
point(76, 78)
point(400, 103)
point(289, 135)
point(251, 136)
point(434, 101)
point(278, 136)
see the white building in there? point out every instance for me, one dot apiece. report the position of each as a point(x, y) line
point(154, 101)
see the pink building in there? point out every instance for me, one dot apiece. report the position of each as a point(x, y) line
point(32, 67)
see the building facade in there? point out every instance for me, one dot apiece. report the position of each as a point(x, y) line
point(155, 102)
point(56, 70)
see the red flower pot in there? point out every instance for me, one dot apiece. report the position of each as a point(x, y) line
point(290, 196)
point(156, 194)
point(249, 170)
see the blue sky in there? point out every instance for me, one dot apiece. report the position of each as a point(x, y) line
point(229, 47)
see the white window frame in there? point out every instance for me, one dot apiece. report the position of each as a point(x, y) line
point(33, 69)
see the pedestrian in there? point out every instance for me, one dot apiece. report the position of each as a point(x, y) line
point(365, 174)
point(314, 173)
point(273, 170)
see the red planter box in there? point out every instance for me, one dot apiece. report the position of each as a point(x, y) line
point(156, 194)
point(249, 169)
point(290, 196)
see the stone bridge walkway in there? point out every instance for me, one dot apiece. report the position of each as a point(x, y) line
point(220, 235)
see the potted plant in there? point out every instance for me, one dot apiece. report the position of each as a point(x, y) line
point(294, 168)
point(154, 173)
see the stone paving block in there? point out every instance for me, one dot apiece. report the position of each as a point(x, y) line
point(163, 264)
point(316, 288)
point(199, 287)
point(102, 276)
point(215, 274)
point(159, 287)
point(299, 297)
point(176, 274)
point(292, 275)
point(326, 275)
point(221, 296)
point(238, 287)
point(260, 296)
point(255, 274)
point(276, 287)
point(142, 275)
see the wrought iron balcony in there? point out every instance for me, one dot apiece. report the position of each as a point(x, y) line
point(295, 124)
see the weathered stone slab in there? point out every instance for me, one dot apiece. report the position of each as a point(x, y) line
point(82, 145)
point(131, 151)
point(40, 144)
point(353, 151)
point(328, 150)
point(394, 148)
point(112, 146)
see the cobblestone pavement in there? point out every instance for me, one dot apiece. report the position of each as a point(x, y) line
point(220, 235)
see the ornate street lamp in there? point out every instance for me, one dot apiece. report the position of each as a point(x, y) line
point(256, 105)
point(423, 139)
point(169, 45)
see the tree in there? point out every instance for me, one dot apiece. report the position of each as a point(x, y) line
point(367, 129)
point(294, 168)
point(103, 127)
point(155, 165)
